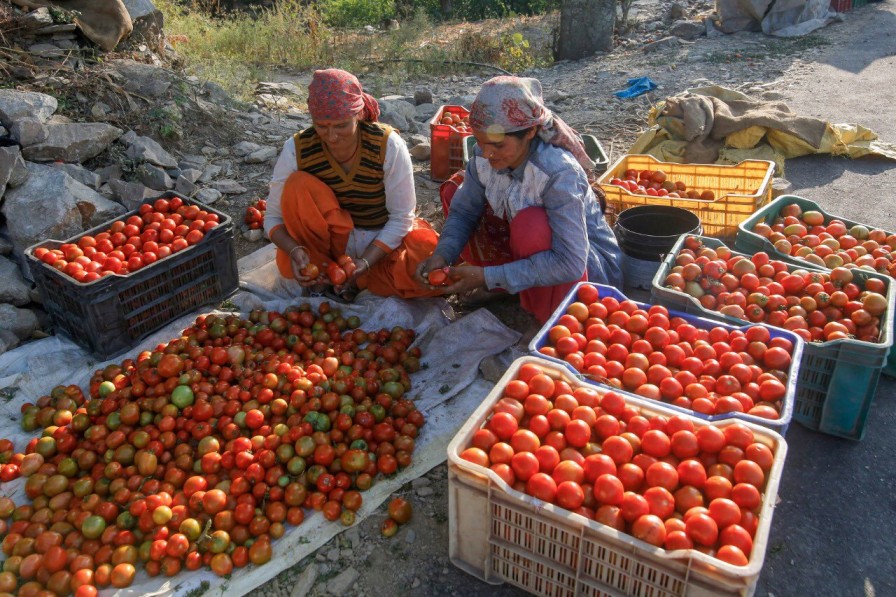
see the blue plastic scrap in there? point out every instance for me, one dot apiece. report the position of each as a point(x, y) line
point(636, 87)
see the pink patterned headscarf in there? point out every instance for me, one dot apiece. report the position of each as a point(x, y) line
point(507, 104)
point(337, 95)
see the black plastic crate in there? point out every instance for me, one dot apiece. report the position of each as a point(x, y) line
point(110, 315)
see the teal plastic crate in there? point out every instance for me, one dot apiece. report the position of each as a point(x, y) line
point(837, 379)
point(592, 147)
point(749, 242)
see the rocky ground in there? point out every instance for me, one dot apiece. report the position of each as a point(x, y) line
point(100, 136)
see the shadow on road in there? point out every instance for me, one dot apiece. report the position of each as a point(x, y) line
point(814, 171)
point(878, 40)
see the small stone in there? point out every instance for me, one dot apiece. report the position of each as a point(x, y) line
point(305, 581)
point(354, 536)
point(253, 235)
point(781, 186)
point(208, 151)
point(677, 11)
point(5, 246)
point(261, 155)
point(444, 571)
point(245, 148)
point(29, 131)
point(345, 554)
point(21, 322)
point(411, 536)
point(333, 555)
point(189, 161)
point(425, 491)
point(37, 19)
point(662, 44)
point(208, 196)
point(422, 95)
point(421, 152)
point(99, 110)
point(191, 174)
point(210, 173)
point(342, 582)
point(420, 482)
point(229, 187)
point(154, 177)
point(185, 187)
point(416, 583)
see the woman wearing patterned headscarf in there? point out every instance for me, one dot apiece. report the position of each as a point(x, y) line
point(528, 170)
point(345, 185)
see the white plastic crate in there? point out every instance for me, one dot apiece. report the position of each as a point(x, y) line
point(500, 535)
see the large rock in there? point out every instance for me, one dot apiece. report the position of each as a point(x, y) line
point(75, 142)
point(143, 79)
point(21, 322)
point(52, 204)
point(425, 112)
point(689, 30)
point(244, 148)
point(13, 288)
point(148, 150)
point(25, 104)
point(131, 194)
point(399, 113)
point(81, 174)
point(147, 19)
point(29, 131)
point(12, 168)
point(154, 177)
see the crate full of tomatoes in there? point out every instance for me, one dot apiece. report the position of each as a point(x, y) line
point(798, 231)
point(447, 130)
point(699, 366)
point(566, 488)
point(115, 284)
point(844, 315)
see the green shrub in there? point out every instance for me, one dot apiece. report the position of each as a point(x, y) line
point(356, 13)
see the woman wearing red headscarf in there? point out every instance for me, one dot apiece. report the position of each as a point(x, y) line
point(345, 185)
point(528, 182)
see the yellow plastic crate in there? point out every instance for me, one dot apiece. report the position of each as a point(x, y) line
point(740, 190)
point(498, 534)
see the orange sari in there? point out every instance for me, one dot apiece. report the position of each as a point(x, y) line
point(314, 219)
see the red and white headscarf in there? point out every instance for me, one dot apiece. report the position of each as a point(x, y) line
point(507, 104)
point(335, 94)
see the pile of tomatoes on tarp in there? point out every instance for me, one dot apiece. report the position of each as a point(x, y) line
point(201, 451)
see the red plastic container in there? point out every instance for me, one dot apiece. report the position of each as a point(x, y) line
point(446, 143)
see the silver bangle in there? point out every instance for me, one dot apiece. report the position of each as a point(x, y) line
point(366, 263)
point(294, 248)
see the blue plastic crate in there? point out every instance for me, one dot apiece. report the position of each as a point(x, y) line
point(780, 425)
point(837, 379)
point(749, 242)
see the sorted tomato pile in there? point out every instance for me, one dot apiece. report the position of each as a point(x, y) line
point(806, 235)
point(818, 306)
point(199, 452)
point(655, 183)
point(155, 232)
point(666, 481)
point(254, 217)
point(654, 355)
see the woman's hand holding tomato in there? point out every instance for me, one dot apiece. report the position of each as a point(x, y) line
point(433, 263)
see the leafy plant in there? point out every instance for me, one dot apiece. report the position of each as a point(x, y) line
point(515, 56)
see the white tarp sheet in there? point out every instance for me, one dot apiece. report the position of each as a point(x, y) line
point(448, 389)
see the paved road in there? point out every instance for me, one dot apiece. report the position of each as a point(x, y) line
point(834, 531)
